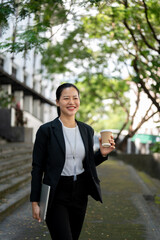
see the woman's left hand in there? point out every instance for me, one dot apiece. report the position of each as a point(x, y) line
point(106, 150)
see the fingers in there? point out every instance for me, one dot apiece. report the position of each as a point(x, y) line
point(37, 217)
point(111, 141)
point(36, 212)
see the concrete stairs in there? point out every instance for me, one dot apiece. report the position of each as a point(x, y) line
point(15, 176)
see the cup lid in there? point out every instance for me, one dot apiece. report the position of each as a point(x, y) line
point(106, 130)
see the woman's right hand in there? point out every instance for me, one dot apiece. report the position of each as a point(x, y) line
point(36, 211)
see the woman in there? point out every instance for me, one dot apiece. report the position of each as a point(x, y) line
point(63, 158)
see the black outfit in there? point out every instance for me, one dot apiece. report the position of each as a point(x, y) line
point(66, 215)
point(68, 198)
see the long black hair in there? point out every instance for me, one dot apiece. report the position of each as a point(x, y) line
point(60, 90)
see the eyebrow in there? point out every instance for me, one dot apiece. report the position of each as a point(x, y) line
point(71, 96)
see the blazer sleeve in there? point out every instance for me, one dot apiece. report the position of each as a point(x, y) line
point(98, 158)
point(38, 163)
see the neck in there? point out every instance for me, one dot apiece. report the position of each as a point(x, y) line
point(68, 122)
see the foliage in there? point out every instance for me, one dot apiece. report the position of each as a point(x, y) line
point(94, 103)
point(131, 30)
point(119, 36)
point(5, 99)
point(57, 56)
point(112, 119)
point(125, 33)
point(43, 15)
point(156, 147)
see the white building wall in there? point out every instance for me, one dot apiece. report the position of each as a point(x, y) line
point(32, 122)
point(32, 62)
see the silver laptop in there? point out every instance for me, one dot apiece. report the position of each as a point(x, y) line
point(45, 191)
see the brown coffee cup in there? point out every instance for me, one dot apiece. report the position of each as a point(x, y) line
point(106, 135)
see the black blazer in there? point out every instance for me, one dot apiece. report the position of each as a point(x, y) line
point(49, 158)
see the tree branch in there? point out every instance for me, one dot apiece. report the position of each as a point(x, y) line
point(143, 121)
point(144, 86)
point(137, 106)
point(126, 48)
point(122, 128)
point(131, 32)
point(146, 42)
point(120, 101)
point(149, 24)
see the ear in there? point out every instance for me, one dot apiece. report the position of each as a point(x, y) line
point(57, 103)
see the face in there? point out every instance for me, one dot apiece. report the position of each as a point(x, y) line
point(69, 101)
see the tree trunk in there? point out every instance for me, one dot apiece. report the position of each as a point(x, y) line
point(123, 144)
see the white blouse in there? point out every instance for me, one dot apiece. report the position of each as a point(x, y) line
point(74, 148)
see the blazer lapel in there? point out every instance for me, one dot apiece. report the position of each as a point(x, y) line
point(84, 135)
point(57, 131)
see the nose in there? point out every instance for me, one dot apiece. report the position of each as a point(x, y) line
point(71, 101)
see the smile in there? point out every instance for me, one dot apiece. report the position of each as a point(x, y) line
point(71, 108)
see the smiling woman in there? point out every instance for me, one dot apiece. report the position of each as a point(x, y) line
point(68, 103)
point(63, 158)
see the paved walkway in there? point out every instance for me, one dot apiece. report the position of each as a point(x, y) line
point(130, 209)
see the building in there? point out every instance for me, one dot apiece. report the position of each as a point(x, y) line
point(23, 76)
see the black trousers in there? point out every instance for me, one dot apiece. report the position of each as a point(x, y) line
point(67, 211)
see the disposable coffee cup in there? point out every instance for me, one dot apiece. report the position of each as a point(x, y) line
point(105, 136)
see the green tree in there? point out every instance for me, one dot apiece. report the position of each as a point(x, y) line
point(42, 16)
point(128, 31)
point(124, 33)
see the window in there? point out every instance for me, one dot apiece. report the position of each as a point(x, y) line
point(1, 62)
point(25, 78)
point(14, 71)
point(34, 84)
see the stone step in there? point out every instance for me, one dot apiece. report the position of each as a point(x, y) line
point(14, 153)
point(14, 172)
point(7, 150)
point(14, 184)
point(15, 162)
point(15, 176)
point(13, 200)
point(14, 144)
